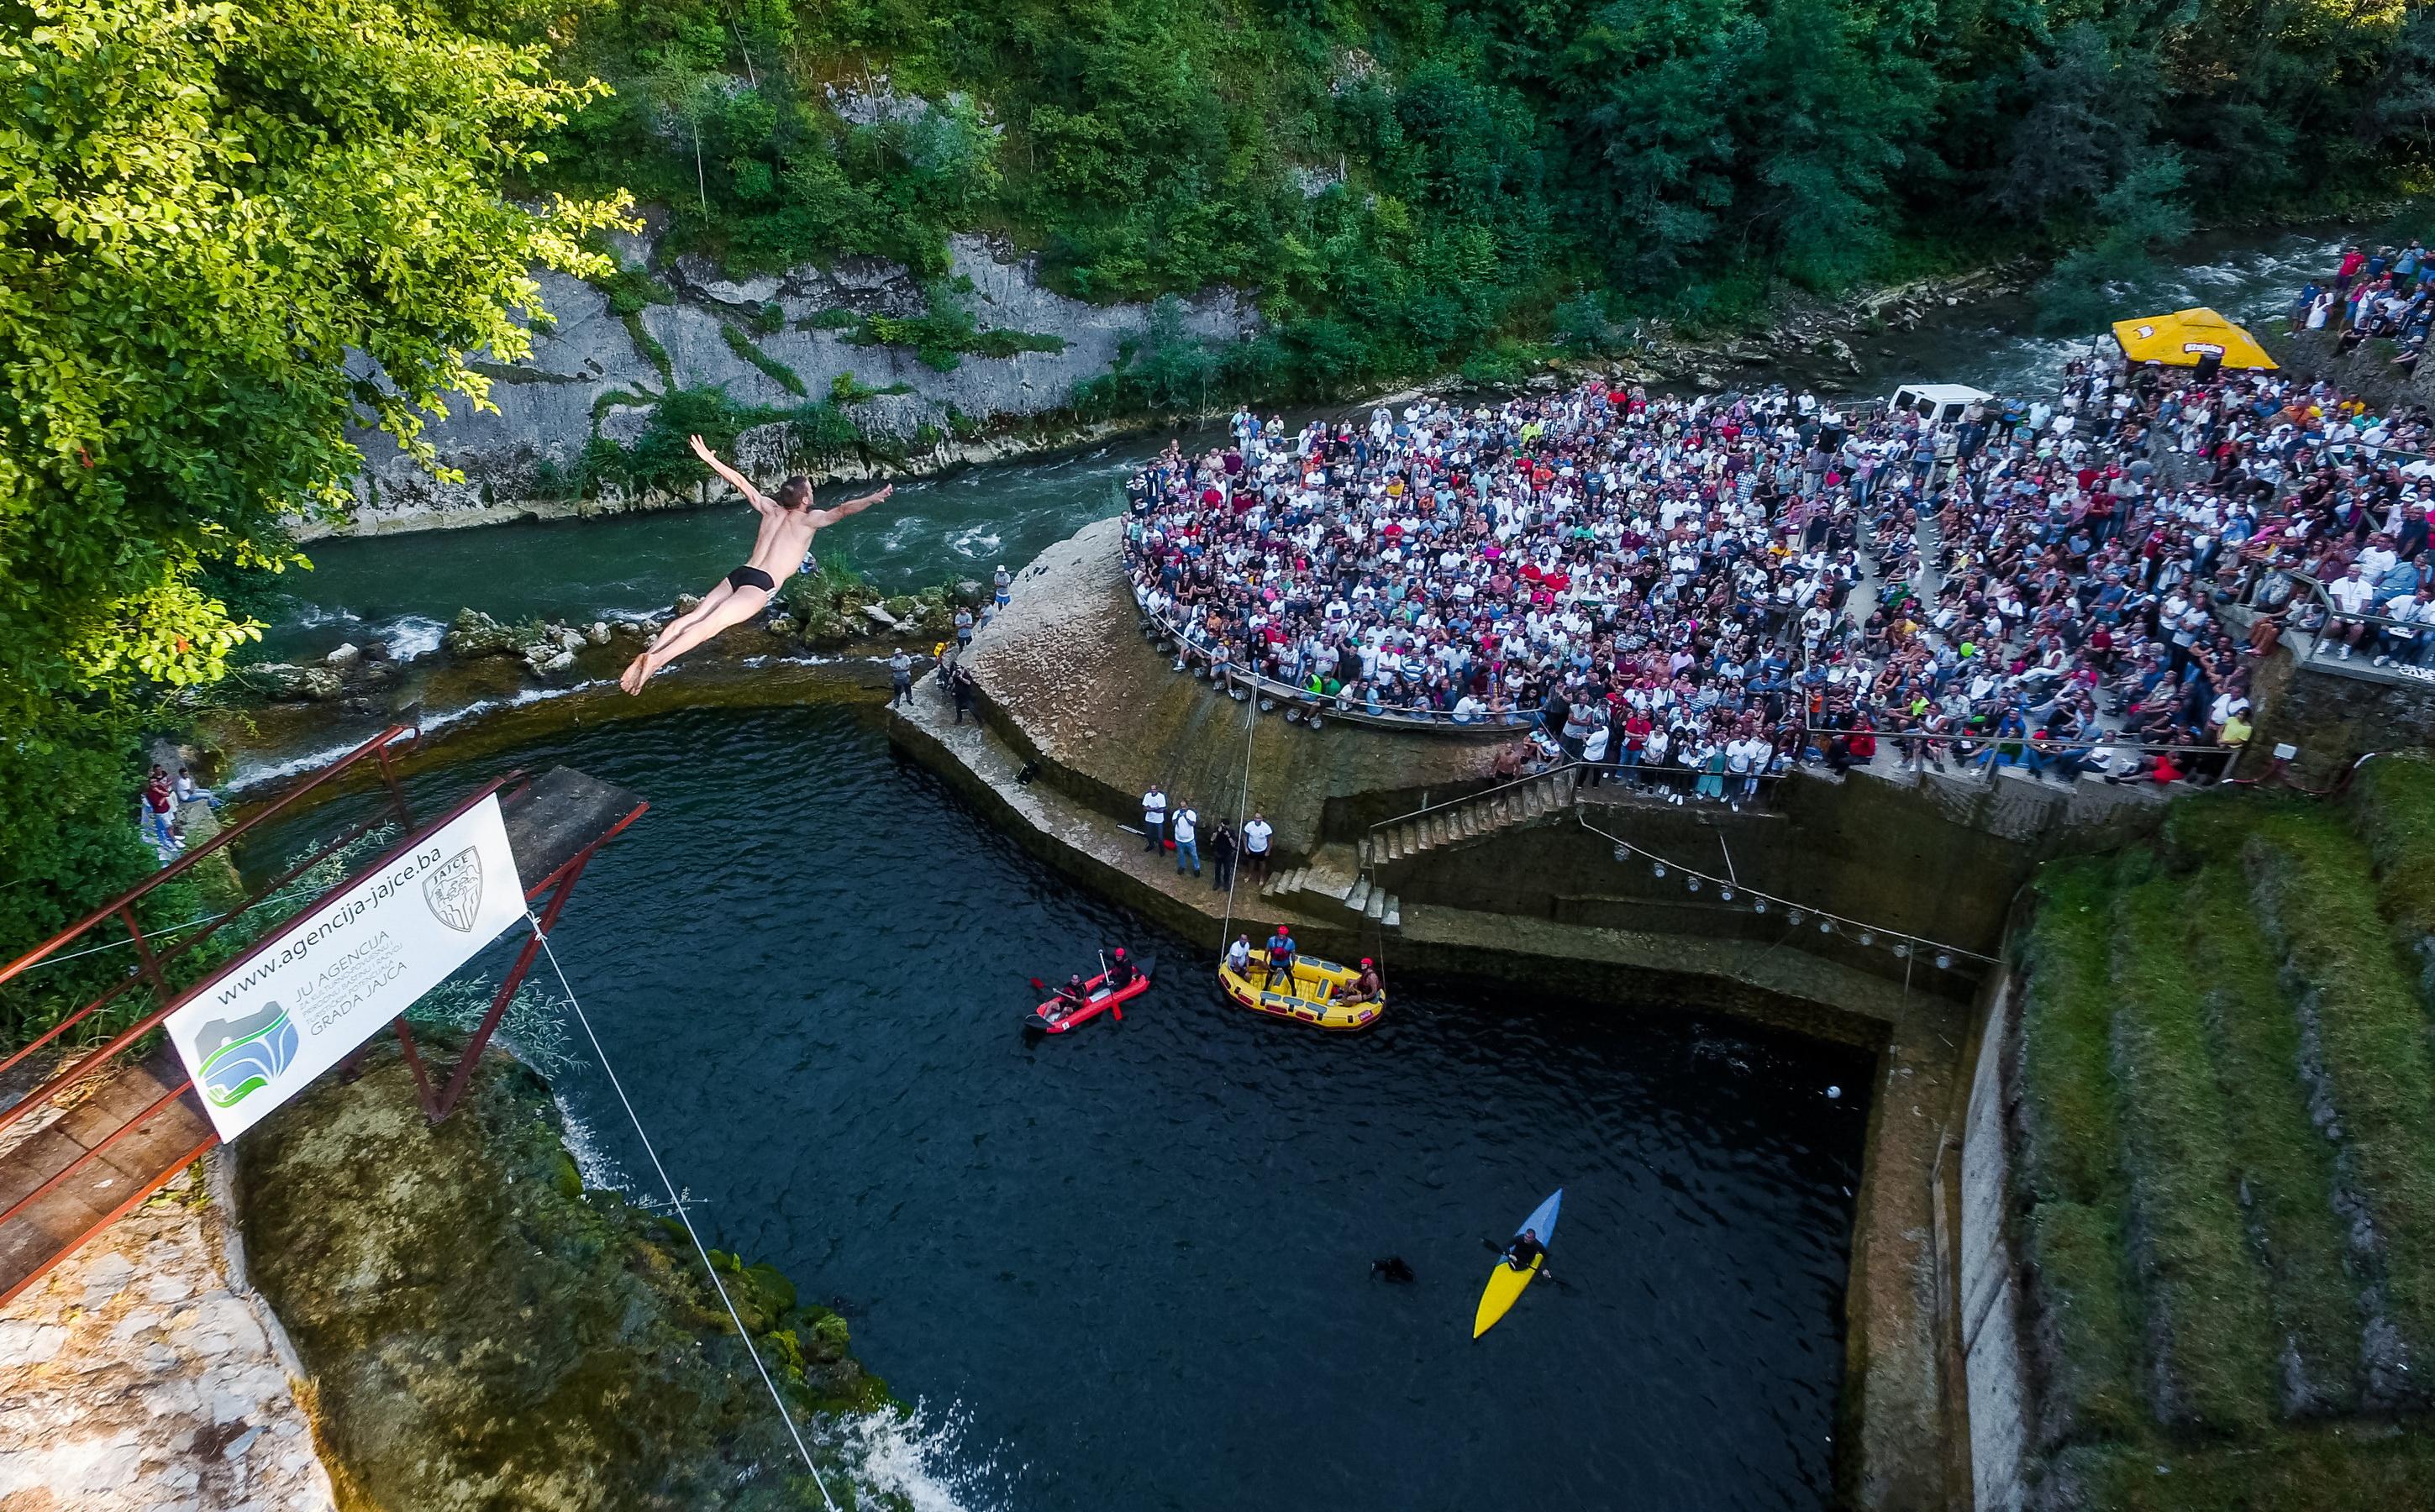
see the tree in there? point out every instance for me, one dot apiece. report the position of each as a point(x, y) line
point(232, 231)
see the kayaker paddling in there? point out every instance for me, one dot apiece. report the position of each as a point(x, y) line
point(779, 548)
point(1525, 1249)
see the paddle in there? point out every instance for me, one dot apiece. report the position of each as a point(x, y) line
point(1117, 1008)
point(1546, 1274)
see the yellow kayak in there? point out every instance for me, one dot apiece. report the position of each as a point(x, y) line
point(1504, 1286)
point(1310, 997)
point(1505, 1283)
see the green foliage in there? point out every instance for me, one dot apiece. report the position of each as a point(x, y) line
point(779, 373)
point(1399, 188)
point(204, 209)
point(2312, 876)
point(631, 290)
point(947, 330)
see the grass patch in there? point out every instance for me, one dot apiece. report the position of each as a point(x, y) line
point(2068, 1084)
point(2312, 876)
point(777, 372)
point(629, 289)
point(2331, 1465)
point(2392, 806)
point(845, 388)
point(2069, 1136)
point(648, 345)
point(2286, 1166)
point(2076, 1258)
point(2207, 1299)
point(946, 332)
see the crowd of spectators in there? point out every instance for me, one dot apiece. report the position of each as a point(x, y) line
point(1702, 591)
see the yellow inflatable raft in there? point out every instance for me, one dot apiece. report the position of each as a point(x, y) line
point(1312, 999)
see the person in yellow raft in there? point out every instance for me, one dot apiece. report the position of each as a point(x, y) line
point(1365, 987)
point(781, 549)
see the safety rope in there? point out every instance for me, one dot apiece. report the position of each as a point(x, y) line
point(1242, 807)
point(676, 1201)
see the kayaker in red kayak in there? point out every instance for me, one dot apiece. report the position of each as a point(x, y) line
point(1071, 995)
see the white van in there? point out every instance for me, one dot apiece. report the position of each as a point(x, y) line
point(1941, 403)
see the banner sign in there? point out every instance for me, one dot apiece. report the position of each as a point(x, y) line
point(324, 984)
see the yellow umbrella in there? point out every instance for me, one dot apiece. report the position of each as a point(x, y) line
point(2181, 338)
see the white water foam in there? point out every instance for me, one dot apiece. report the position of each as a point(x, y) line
point(920, 1462)
point(593, 1162)
point(976, 540)
point(313, 760)
point(411, 637)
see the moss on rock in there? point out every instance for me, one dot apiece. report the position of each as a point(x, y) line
point(482, 1333)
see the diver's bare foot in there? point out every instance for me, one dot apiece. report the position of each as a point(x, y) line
point(637, 673)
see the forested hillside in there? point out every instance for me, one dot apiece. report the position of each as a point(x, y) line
point(1403, 185)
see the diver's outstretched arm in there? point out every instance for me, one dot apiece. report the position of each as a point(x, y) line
point(743, 485)
point(837, 512)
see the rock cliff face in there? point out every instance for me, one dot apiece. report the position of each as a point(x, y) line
point(482, 1332)
point(776, 343)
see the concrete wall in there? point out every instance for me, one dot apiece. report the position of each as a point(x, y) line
point(1941, 859)
point(1990, 1340)
point(2334, 717)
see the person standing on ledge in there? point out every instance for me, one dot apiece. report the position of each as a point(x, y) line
point(779, 548)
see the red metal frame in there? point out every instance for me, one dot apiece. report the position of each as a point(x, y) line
point(561, 886)
point(174, 1001)
point(134, 1197)
point(152, 964)
point(150, 967)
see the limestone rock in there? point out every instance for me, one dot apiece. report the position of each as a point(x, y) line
point(687, 603)
point(880, 616)
point(599, 634)
point(476, 634)
point(285, 682)
point(345, 655)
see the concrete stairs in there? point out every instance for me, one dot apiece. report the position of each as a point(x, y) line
point(1473, 818)
point(1334, 876)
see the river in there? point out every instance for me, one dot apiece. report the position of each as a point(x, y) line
point(403, 589)
point(1129, 1268)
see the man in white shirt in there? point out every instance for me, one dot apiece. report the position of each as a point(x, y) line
point(2351, 593)
point(1187, 838)
point(1155, 817)
point(1255, 849)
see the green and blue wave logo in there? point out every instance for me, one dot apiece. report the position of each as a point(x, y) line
point(241, 1057)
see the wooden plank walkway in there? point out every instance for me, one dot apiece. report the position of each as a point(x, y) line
point(117, 1137)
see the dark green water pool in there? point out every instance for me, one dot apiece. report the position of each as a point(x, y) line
point(1129, 1268)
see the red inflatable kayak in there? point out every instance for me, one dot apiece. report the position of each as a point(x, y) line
point(1056, 1017)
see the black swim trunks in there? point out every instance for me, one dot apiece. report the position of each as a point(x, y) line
point(752, 578)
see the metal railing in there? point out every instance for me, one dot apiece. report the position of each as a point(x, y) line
point(153, 966)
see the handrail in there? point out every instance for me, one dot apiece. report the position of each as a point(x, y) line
point(1570, 763)
point(1397, 716)
point(175, 999)
point(378, 746)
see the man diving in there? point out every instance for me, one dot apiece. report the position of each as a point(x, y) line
point(780, 549)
